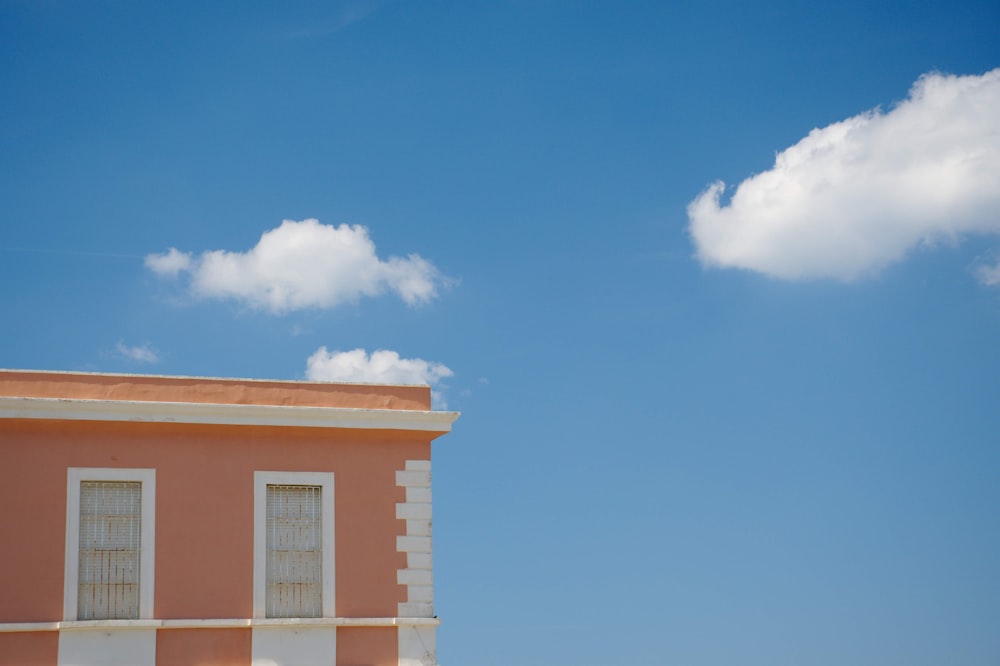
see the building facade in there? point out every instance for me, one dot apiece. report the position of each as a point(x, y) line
point(154, 521)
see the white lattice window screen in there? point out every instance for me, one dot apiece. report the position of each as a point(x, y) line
point(110, 520)
point(294, 551)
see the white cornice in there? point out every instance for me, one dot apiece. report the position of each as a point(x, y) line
point(222, 623)
point(224, 414)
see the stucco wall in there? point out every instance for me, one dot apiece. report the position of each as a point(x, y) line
point(204, 507)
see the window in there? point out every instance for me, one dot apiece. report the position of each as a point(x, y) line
point(294, 551)
point(110, 535)
point(293, 545)
point(110, 532)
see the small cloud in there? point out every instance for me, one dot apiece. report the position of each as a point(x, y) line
point(301, 265)
point(140, 354)
point(382, 367)
point(170, 263)
point(989, 275)
point(858, 195)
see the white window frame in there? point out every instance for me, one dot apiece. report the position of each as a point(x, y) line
point(261, 480)
point(147, 534)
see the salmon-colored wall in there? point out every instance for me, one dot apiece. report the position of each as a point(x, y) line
point(33, 530)
point(204, 647)
point(84, 386)
point(367, 646)
point(29, 649)
point(204, 509)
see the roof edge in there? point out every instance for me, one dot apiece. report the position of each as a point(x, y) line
point(257, 380)
point(136, 411)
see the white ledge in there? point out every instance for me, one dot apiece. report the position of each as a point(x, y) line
point(221, 623)
point(224, 414)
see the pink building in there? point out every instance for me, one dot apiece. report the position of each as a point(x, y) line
point(207, 522)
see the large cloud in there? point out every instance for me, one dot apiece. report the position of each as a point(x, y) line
point(302, 265)
point(857, 195)
point(383, 367)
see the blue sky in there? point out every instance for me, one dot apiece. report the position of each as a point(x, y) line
point(758, 429)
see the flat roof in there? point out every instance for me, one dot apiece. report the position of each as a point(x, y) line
point(39, 394)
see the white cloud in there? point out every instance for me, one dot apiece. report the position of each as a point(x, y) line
point(989, 275)
point(303, 265)
point(169, 263)
point(140, 354)
point(382, 366)
point(857, 195)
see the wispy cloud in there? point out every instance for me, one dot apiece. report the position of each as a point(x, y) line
point(989, 275)
point(382, 366)
point(856, 196)
point(172, 262)
point(321, 27)
point(143, 353)
point(301, 265)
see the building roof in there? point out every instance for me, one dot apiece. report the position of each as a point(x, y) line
point(32, 394)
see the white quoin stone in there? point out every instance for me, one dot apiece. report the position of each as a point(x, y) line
point(409, 511)
point(408, 544)
point(404, 478)
point(415, 577)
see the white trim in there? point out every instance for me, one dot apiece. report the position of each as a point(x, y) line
point(219, 623)
point(412, 576)
point(260, 482)
point(413, 479)
point(147, 547)
point(417, 609)
point(414, 511)
point(418, 465)
point(148, 411)
point(418, 576)
point(107, 647)
point(417, 646)
point(408, 544)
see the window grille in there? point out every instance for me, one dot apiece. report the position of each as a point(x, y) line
point(110, 519)
point(294, 551)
